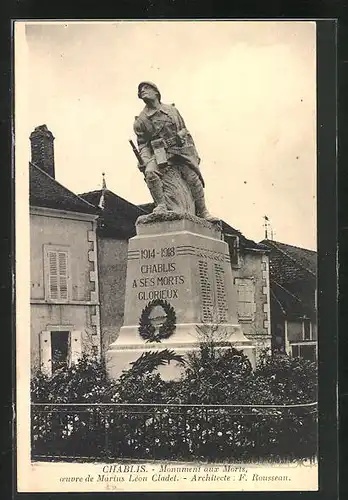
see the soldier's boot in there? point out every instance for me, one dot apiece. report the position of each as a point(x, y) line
point(197, 191)
point(154, 184)
point(202, 211)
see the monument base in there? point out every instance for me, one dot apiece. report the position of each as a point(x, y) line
point(187, 338)
point(178, 273)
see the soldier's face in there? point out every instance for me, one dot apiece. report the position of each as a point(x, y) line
point(148, 92)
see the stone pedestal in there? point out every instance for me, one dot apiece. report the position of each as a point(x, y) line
point(184, 261)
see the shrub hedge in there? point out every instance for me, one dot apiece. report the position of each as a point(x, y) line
point(210, 376)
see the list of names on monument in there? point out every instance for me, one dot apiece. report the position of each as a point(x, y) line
point(220, 293)
point(206, 291)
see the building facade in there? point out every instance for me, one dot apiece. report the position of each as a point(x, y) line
point(293, 284)
point(250, 271)
point(64, 288)
point(116, 224)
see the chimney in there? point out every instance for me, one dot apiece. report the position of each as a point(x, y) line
point(42, 150)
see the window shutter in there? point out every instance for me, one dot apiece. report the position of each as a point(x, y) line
point(45, 353)
point(63, 274)
point(58, 274)
point(75, 346)
point(53, 275)
point(246, 300)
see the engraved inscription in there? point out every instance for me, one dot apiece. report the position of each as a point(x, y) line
point(206, 292)
point(156, 277)
point(220, 293)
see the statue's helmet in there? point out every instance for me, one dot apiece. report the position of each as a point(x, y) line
point(150, 84)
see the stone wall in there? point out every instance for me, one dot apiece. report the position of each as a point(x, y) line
point(112, 258)
point(255, 265)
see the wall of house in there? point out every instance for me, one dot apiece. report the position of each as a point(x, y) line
point(61, 317)
point(62, 231)
point(112, 261)
point(256, 265)
point(80, 312)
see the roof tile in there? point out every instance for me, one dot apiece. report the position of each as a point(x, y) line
point(45, 191)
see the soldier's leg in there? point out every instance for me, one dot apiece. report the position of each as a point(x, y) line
point(154, 183)
point(196, 186)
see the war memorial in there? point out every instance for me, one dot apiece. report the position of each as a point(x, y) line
point(179, 289)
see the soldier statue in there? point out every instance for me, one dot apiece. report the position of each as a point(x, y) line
point(165, 145)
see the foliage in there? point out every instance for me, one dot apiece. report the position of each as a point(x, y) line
point(290, 380)
point(85, 381)
point(214, 374)
point(142, 384)
point(149, 361)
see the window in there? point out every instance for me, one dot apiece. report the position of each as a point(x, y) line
point(295, 351)
point(59, 348)
point(306, 351)
point(307, 330)
point(246, 298)
point(56, 273)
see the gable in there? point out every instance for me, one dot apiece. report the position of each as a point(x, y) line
point(118, 217)
point(44, 191)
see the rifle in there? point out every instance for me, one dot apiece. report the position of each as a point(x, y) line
point(138, 157)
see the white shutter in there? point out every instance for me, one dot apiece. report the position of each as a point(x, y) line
point(45, 353)
point(75, 346)
point(53, 285)
point(58, 276)
point(63, 275)
point(246, 299)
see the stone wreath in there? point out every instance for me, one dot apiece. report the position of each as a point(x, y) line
point(148, 331)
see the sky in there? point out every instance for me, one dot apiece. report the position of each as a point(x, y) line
point(246, 90)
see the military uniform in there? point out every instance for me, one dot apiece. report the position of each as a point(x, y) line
point(165, 123)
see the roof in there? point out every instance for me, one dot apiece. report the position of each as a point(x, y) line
point(289, 263)
point(303, 257)
point(292, 277)
point(226, 229)
point(45, 191)
point(118, 215)
point(243, 241)
point(291, 304)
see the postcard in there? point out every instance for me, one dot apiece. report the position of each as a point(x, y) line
point(166, 255)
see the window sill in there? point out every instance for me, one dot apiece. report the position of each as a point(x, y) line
point(65, 302)
point(303, 342)
point(245, 320)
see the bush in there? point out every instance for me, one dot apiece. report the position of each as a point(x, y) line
point(290, 380)
point(85, 381)
point(212, 375)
